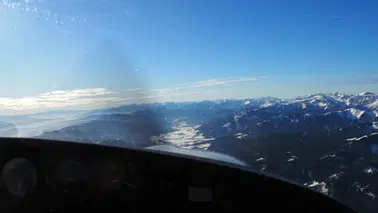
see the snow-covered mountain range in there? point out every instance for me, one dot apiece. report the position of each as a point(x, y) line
point(328, 142)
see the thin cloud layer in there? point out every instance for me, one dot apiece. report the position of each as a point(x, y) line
point(74, 94)
point(92, 98)
point(57, 99)
point(198, 84)
point(223, 81)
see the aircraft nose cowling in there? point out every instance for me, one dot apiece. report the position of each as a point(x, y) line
point(198, 153)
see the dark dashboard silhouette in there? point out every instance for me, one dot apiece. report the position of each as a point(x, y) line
point(54, 176)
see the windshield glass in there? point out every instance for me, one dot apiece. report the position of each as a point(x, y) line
point(286, 87)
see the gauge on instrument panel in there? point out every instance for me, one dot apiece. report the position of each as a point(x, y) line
point(69, 172)
point(108, 176)
point(19, 176)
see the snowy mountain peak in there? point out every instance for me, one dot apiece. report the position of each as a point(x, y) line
point(366, 93)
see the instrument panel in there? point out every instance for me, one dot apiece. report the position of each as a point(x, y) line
point(73, 176)
point(53, 176)
point(19, 177)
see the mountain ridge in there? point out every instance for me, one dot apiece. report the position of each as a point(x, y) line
point(327, 142)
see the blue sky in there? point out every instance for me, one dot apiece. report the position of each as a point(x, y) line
point(57, 54)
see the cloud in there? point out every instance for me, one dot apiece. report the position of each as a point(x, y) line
point(199, 84)
point(92, 98)
point(339, 17)
point(74, 94)
point(135, 89)
point(164, 90)
point(56, 99)
point(215, 82)
point(177, 96)
point(191, 91)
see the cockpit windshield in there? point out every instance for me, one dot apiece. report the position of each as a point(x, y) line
point(285, 87)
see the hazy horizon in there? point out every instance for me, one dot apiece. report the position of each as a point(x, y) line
point(118, 102)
